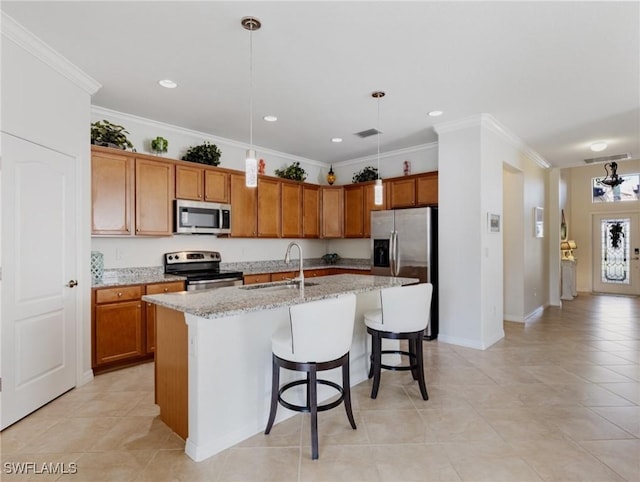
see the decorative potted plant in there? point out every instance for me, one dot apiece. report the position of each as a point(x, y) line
point(205, 153)
point(369, 173)
point(159, 144)
point(293, 172)
point(104, 133)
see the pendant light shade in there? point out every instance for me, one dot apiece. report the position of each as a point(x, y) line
point(250, 163)
point(378, 192)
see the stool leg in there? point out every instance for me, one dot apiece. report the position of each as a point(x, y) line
point(420, 362)
point(346, 387)
point(376, 347)
point(412, 359)
point(275, 386)
point(313, 403)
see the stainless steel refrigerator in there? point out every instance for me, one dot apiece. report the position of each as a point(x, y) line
point(404, 242)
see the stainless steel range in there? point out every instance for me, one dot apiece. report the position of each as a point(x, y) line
point(201, 268)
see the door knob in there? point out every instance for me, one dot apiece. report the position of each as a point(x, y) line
point(72, 283)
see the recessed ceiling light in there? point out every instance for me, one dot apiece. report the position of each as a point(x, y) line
point(435, 113)
point(336, 139)
point(169, 84)
point(598, 146)
point(270, 118)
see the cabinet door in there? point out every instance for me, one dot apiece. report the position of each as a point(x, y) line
point(402, 193)
point(310, 211)
point(427, 189)
point(354, 212)
point(150, 319)
point(216, 186)
point(118, 332)
point(332, 212)
point(291, 210)
point(244, 208)
point(189, 183)
point(370, 206)
point(111, 193)
point(154, 197)
point(269, 207)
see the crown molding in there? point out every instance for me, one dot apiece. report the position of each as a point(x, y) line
point(490, 122)
point(12, 30)
point(103, 111)
point(398, 152)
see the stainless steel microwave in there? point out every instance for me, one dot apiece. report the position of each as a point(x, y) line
point(197, 217)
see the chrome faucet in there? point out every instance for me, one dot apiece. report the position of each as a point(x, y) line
point(287, 259)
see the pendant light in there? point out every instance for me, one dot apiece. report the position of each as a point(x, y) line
point(378, 197)
point(611, 180)
point(251, 163)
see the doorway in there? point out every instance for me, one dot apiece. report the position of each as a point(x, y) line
point(616, 253)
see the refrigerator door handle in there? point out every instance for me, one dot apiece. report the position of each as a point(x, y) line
point(396, 260)
point(391, 251)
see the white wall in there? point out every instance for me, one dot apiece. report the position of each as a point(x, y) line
point(581, 211)
point(513, 244)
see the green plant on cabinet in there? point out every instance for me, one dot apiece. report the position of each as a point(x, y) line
point(159, 144)
point(205, 153)
point(368, 173)
point(293, 172)
point(104, 133)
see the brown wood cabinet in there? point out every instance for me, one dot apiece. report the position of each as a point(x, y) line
point(310, 211)
point(150, 310)
point(118, 334)
point(354, 211)
point(251, 279)
point(202, 183)
point(154, 197)
point(292, 206)
point(123, 326)
point(332, 212)
point(244, 208)
point(415, 190)
point(269, 208)
point(189, 183)
point(111, 193)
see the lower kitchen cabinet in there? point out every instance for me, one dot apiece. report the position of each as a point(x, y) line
point(123, 326)
point(251, 279)
point(150, 310)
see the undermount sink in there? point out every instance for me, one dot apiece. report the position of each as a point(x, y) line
point(278, 286)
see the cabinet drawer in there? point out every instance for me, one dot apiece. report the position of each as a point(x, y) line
point(123, 293)
point(257, 278)
point(313, 273)
point(159, 288)
point(283, 276)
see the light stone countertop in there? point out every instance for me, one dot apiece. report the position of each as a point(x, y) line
point(236, 300)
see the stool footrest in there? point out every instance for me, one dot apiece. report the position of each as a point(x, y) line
point(399, 368)
point(306, 408)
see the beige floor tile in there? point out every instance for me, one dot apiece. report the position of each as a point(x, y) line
point(627, 418)
point(277, 464)
point(629, 371)
point(391, 395)
point(43, 467)
point(176, 466)
point(283, 434)
point(396, 426)
point(351, 463)
point(137, 433)
point(70, 435)
point(457, 425)
point(588, 394)
point(334, 428)
point(630, 391)
point(623, 456)
point(507, 469)
point(520, 424)
point(15, 438)
point(424, 462)
point(595, 373)
point(110, 466)
point(583, 424)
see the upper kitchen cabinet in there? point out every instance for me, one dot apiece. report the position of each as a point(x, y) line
point(154, 182)
point(244, 208)
point(354, 211)
point(111, 192)
point(269, 206)
point(292, 206)
point(310, 211)
point(415, 190)
point(202, 184)
point(332, 212)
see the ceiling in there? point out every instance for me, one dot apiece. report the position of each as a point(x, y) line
point(559, 75)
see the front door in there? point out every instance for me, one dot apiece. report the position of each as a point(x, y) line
point(616, 253)
point(38, 328)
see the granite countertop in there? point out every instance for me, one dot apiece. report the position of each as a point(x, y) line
point(155, 274)
point(236, 300)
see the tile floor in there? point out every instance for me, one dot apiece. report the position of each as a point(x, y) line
point(557, 399)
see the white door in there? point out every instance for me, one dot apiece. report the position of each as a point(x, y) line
point(616, 253)
point(38, 303)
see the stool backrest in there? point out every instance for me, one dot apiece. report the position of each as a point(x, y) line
point(323, 330)
point(406, 308)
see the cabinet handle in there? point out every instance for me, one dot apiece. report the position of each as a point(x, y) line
point(119, 294)
point(139, 306)
point(166, 289)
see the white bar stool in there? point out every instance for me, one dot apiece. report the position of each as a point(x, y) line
point(319, 338)
point(404, 316)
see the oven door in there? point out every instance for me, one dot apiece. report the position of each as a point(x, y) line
point(207, 284)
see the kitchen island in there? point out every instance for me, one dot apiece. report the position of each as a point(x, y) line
point(213, 354)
